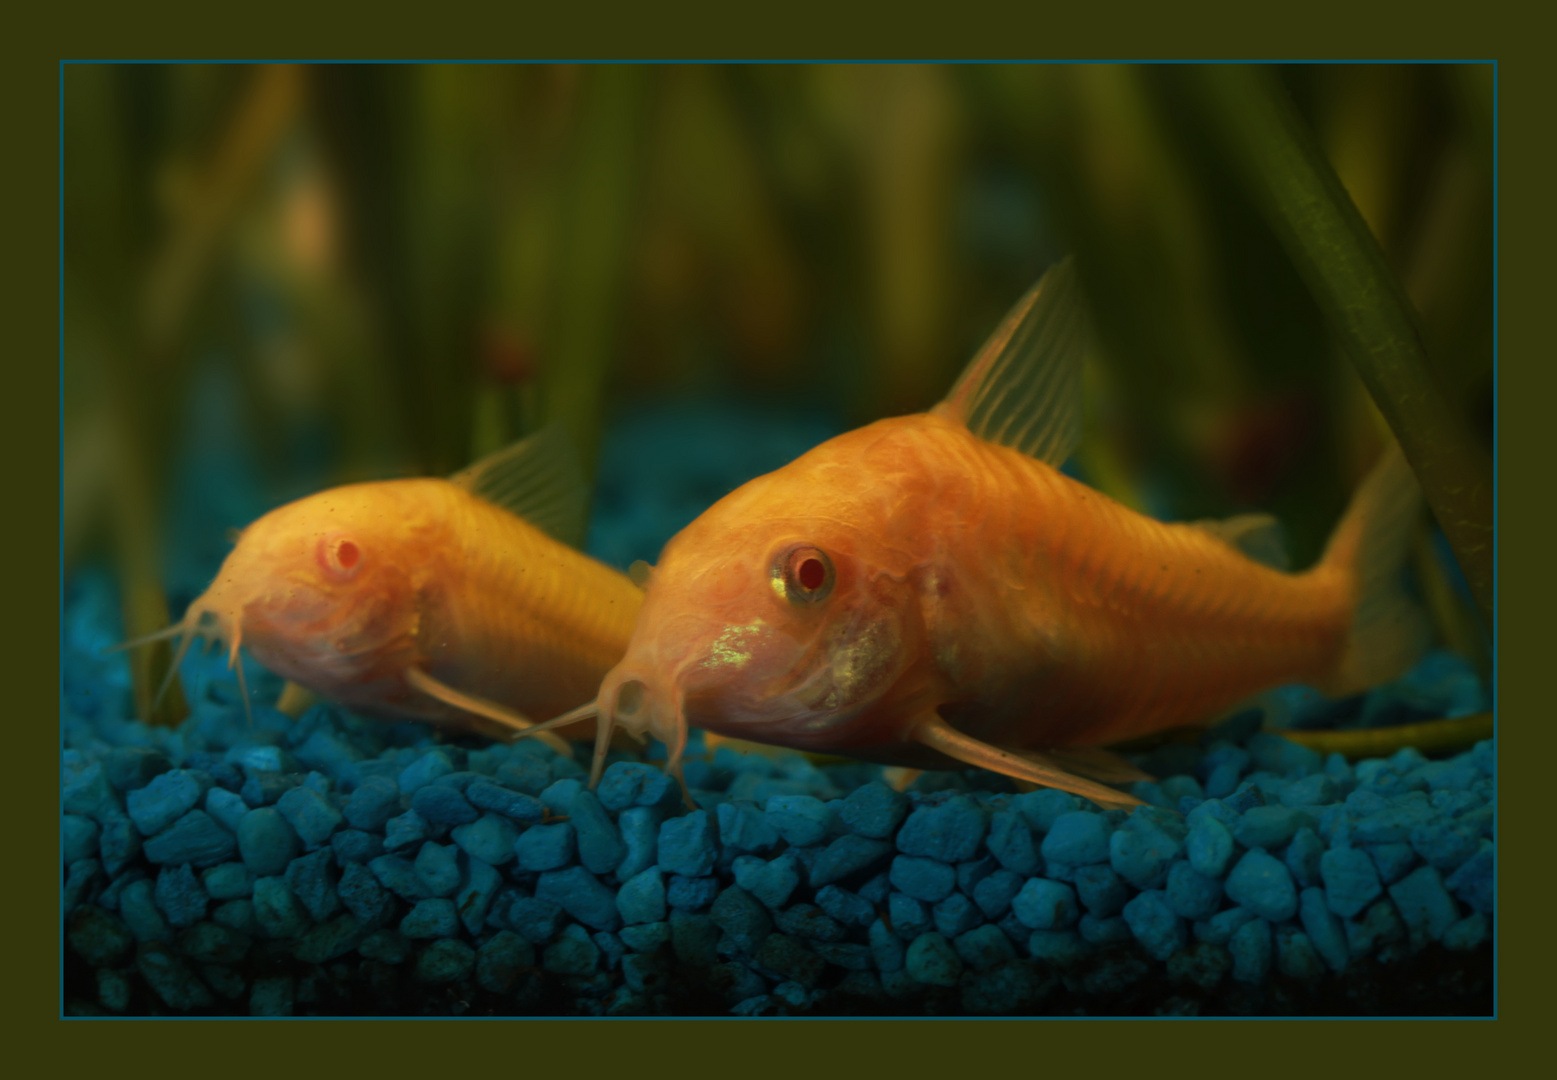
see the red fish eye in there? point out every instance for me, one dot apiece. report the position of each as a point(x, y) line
point(347, 554)
point(812, 573)
point(803, 575)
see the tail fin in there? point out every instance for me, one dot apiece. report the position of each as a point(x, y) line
point(1389, 630)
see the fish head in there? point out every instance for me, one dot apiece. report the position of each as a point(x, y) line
point(320, 590)
point(771, 617)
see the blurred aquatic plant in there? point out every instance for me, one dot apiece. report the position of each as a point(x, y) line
point(1363, 300)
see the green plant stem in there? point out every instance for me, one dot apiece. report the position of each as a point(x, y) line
point(1363, 301)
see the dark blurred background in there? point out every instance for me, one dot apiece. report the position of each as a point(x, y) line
point(278, 279)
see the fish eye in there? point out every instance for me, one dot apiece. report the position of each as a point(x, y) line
point(803, 575)
point(340, 556)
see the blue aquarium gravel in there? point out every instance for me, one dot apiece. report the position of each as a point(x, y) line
point(337, 865)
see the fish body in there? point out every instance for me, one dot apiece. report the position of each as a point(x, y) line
point(423, 599)
point(931, 590)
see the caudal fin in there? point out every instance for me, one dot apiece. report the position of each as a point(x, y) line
point(1389, 630)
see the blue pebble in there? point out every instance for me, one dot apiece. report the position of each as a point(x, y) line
point(1393, 824)
point(491, 839)
point(1046, 905)
point(621, 783)
point(688, 845)
point(1220, 928)
point(848, 908)
point(440, 804)
point(1281, 756)
point(970, 873)
point(640, 829)
point(363, 896)
point(1251, 948)
point(1213, 808)
point(1270, 827)
point(770, 882)
point(1244, 799)
point(1101, 891)
point(374, 802)
point(1474, 882)
point(399, 877)
point(1142, 849)
point(641, 899)
point(580, 894)
point(312, 880)
point(1112, 930)
point(558, 796)
point(1078, 839)
point(1261, 883)
point(932, 960)
point(1392, 860)
point(266, 842)
point(1380, 925)
point(950, 832)
point(1209, 847)
point(138, 908)
point(745, 921)
point(333, 757)
point(983, 947)
point(356, 846)
point(1316, 789)
point(278, 912)
point(129, 768)
point(809, 923)
point(744, 827)
point(956, 915)
point(1303, 855)
point(1192, 895)
point(1468, 933)
point(645, 937)
point(1222, 780)
point(164, 800)
point(886, 948)
point(311, 815)
point(908, 916)
point(1424, 904)
point(89, 792)
point(1296, 956)
point(923, 879)
point(600, 846)
point(423, 771)
point(226, 808)
point(994, 893)
point(1444, 846)
point(611, 948)
point(1062, 948)
point(516, 807)
point(431, 919)
point(261, 758)
point(479, 885)
point(181, 896)
point(405, 830)
point(1156, 925)
point(193, 838)
point(524, 773)
point(228, 881)
point(1324, 930)
point(875, 891)
point(1044, 807)
point(800, 819)
point(1011, 842)
point(1351, 881)
point(874, 810)
point(691, 894)
point(536, 920)
point(847, 856)
point(545, 847)
point(438, 868)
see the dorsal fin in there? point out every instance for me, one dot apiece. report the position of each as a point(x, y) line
point(1023, 388)
point(537, 478)
point(1259, 536)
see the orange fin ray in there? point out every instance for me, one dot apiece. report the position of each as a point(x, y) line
point(479, 706)
point(1095, 763)
point(937, 734)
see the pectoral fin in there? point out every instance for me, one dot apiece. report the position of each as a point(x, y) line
point(1096, 763)
point(936, 733)
point(509, 718)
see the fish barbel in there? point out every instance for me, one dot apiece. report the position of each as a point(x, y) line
point(931, 591)
point(451, 601)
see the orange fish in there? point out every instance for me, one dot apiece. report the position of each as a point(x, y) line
point(931, 591)
point(452, 600)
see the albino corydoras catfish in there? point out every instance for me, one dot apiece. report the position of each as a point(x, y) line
point(931, 591)
point(453, 601)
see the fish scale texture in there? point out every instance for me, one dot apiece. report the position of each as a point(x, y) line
point(1309, 885)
